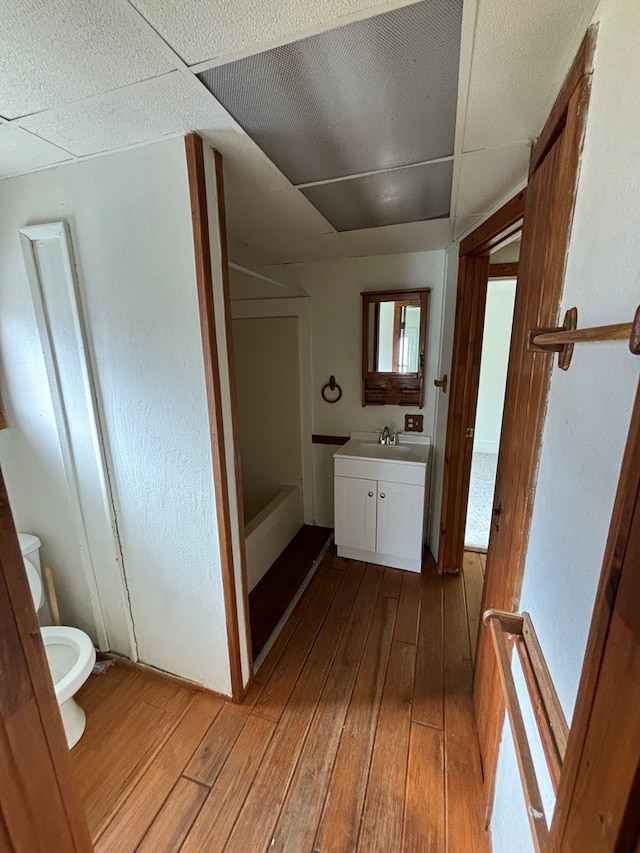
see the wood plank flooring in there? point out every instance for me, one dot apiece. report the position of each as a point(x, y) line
point(357, 735)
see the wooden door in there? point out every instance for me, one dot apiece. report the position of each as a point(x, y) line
point(547, 224)
point(40, 809)
point(355, 513)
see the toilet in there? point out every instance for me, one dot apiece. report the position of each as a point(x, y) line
point(70, 652)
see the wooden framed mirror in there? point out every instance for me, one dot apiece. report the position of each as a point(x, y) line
point(394, 341)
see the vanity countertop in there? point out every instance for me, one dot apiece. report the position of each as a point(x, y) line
point(410, 450)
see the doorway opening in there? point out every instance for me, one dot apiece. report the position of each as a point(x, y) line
point(496, 341)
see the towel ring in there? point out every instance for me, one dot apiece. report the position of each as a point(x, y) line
point(333, 386)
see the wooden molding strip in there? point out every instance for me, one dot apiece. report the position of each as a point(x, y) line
point(329, 439)
point(497, 228)
point(503, 270)
point(202, 250)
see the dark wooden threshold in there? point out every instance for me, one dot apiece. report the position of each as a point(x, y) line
point(271, 597)
point(329, 439)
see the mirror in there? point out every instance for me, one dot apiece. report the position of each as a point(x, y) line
point(394, 327)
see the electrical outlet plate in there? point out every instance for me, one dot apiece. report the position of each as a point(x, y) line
point(413, 423)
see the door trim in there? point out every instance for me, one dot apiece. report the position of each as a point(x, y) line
point(231, 568)
point(473, 275)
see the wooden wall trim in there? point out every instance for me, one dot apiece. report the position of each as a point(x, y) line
point(497, 228)
point(463, 400)
point(329, 439)
point(226, 286)
point(503, 270)
point(194, 148)
point(580, 766)
point(40, 804)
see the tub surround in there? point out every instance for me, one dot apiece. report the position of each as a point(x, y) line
point(273, 516)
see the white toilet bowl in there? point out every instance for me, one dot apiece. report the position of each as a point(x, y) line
point(71, 658)
point(70, 652)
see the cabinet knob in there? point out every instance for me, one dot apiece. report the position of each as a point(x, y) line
point(382, 495)
point(370, 494)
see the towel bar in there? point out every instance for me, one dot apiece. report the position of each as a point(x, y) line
point(550, 719)
point(562, 338)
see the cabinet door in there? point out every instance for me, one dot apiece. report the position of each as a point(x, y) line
point(400, 519)
point(355, 513)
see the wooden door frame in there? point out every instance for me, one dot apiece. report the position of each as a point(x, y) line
point(196, 167)
point(40, 801)
point(473, 275)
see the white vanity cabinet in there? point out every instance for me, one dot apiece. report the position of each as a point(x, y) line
point(380, 504)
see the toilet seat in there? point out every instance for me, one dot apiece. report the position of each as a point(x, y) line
point(71, 657)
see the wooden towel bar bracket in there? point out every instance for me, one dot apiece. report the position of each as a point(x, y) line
point(562, 338)
point(550, 719)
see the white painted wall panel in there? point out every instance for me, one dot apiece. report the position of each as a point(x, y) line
point(131, 226)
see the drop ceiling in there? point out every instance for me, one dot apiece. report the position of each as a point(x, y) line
point(79, 78)
point(333, 106)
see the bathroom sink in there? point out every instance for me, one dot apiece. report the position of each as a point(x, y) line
point(387, 451)
point(358, 449)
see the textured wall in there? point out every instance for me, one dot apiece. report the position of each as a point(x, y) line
point(590, 405)
point(131, 228)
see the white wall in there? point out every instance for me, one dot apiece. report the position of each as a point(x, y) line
point(131, 228)
point(498, 319)
point(334, 289)
point(590, 405)
point(267, 371)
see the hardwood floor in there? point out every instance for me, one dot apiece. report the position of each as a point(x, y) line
point(357, 735)
point(473, 566)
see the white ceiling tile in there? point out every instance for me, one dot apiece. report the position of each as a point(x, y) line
point(522, 52)
point(488, 176)
point(386, 240)
point(271, 222)
point(140, 113)
point(464, 224)
point(22, 152)
point(54, 52)
point(199, 30)
point(247, 170)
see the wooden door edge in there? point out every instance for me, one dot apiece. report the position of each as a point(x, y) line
point(33, 744)
point(194, 150)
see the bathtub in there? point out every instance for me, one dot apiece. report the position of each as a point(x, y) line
point(272, 516)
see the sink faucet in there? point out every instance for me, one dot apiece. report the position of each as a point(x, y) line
point(385, 436)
